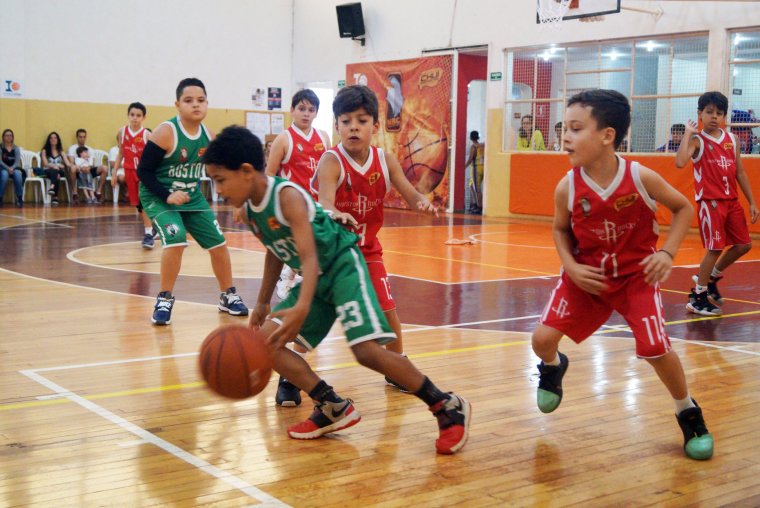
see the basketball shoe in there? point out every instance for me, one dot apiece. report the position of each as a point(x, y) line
point(288, 394)
point(327, 417)
point(232, 304)
point(453, 415)
point(712, 290)
point(162, 312)
point(549, 393)
point(147, 241)
point(702, 306)
point(697, 440)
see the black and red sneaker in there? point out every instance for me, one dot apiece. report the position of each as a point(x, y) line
point(453, 416)
point(327, 417)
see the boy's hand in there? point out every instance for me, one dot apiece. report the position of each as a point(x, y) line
point(178, 197)
point(292, 321)
point(754, 213)
point(426, 206)
point(259, 313)
point(589, 278)
point(691, 128)
point(657, 267)
point(238, 215)
point(345, 218)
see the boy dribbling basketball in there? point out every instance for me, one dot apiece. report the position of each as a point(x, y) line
point(606, 236)
point(336, 284)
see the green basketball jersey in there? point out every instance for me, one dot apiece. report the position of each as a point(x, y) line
point(182, 168)
point(269, 226)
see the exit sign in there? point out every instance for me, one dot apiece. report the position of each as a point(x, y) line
point(496, 76)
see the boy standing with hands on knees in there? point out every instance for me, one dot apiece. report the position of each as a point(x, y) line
point(606, 235)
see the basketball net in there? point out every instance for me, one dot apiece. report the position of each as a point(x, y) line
point(551, 12)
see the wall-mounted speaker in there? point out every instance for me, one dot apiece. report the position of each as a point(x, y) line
point(350, 20)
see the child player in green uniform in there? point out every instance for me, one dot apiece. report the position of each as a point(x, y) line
point(169, 171)
point(336, 284)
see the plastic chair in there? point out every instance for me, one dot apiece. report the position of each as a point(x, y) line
point(38, 183)
point(213, 196)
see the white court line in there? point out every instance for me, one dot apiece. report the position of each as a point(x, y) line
point(479, 281)
point(71, 256)
point(151, 438)
point(474, 238)
point(31, 222)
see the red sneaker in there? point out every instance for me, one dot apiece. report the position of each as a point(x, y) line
point(453, 423)
point(327, 417)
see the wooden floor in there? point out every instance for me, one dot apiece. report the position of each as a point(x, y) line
point(99, 408)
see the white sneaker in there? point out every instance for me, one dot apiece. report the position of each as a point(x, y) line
point(282, 289)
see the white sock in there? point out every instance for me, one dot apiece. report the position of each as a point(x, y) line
point(555, 362)
point(683, 404)
point(715, 273)
point(148, 231)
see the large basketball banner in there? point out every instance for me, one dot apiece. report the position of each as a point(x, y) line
point(415, 119)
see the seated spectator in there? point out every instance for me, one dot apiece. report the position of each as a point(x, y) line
point(10, 168)
point(557, 145)
point(95, 169)
point(83, 162)
point(676, 135)
point(529, 138)
point(54, 164)
point(743, 134)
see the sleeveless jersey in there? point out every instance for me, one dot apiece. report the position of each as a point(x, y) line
point(715, 167)
point(614, 228)
point(300, 162)
point(182, 168)
point(360, 192)
point(270, 227)
point(132, 146)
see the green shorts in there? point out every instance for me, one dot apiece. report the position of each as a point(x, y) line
point(344, 291)
point(173, 222)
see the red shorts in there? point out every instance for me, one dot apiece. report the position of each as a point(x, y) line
point(721, 223)
point(133, 191)
point(382, 287)
point(578, 314)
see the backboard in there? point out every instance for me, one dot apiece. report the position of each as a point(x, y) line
point(582, 8)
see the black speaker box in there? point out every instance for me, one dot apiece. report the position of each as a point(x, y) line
point(350, 20)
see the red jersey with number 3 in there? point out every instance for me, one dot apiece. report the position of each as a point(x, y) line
point(361, 190)
point(715, 167)
point(132, 146)
point(614, 228)
point(300, 162)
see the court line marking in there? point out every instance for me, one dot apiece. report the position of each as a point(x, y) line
point(151, 438)
point(71, 256)
point(474, 238)
point(32, 222)
point(462, 261)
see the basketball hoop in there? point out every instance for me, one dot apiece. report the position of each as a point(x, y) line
point(551, 12)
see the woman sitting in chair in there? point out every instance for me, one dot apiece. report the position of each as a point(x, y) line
point(10, 168)
point(53, 164)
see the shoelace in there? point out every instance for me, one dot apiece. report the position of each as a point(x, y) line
point(233, 298)
point(164, 304)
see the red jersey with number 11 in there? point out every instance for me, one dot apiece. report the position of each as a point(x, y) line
point(132, 146)
point(300, 162)
point(715, 167)
point(614, 228)
point(361, 190)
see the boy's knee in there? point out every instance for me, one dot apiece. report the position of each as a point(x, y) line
point(366, 353)
point(744, 248)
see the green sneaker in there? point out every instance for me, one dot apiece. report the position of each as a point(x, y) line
point(697, 440)
point(549, 393)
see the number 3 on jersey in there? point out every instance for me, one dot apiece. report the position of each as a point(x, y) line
point(361, 230)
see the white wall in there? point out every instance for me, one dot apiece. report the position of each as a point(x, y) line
point(113, 51)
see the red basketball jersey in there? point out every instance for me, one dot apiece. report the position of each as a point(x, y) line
point(132, 146)
point(715, 167)
point(614, 228)
point(361, 190)
point(300, 162)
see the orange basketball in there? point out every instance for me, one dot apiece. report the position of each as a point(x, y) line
point(234, 361)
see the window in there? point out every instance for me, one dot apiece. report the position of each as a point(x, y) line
point(661, 77)
point(744, 89)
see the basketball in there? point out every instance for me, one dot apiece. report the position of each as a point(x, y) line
point(234, 361)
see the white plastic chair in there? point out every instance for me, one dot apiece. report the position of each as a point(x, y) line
point(213, 196)
point(99, 158)
point(38, 183)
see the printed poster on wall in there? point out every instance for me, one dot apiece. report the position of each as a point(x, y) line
point(415, 119)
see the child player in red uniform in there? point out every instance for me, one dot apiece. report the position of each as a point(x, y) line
point(353, 180)
point(606, 235)
point(132, 139)
point(717, 169)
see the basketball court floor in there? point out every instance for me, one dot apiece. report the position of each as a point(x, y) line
point(100, 408)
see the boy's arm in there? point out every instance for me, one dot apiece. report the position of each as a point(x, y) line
point(657, 266)
point(119, 154)
point(471, 157)
point(588, 278)
point(160, 143)
point(743, 181)
point(276, 153)
point(326, 137)
point(295, 211)
point(689, 144)
point(328, 173)
point(398, 180)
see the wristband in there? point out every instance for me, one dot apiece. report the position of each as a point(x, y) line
point(668, 253)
